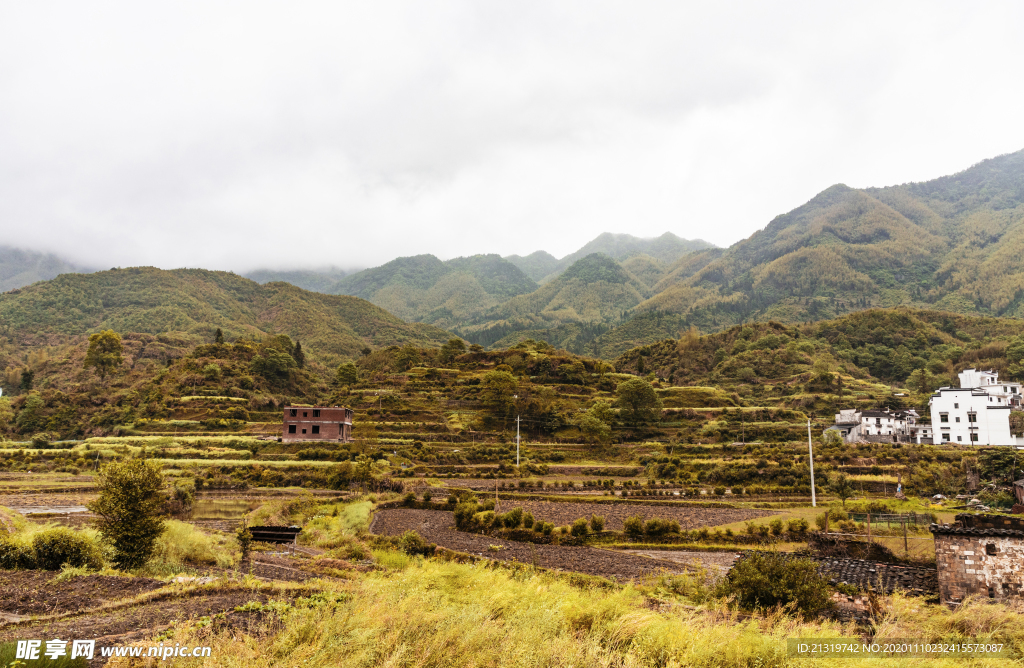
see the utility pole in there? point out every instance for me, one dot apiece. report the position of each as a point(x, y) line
point(810, 450)
point(516, 397)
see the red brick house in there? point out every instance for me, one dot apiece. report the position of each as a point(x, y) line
point(317, 423)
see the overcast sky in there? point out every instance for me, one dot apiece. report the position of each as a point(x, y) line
point(286, 135)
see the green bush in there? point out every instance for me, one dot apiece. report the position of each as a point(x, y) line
point(528, 521)
point(597, 523)
point(58, 546)
point(412, 543)
point(776, 526)
point(427, 496)
point(798, 525)
point(634, 527)
point(130, 499)
point(409, 499)
point(483, 520)
point(767, 580)
point(514, 518)
point(660, 527)
point(14, 555)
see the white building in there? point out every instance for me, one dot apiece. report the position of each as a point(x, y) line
point(977, 412)
point(885, 425)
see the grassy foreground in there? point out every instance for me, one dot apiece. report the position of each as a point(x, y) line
point(421, 612)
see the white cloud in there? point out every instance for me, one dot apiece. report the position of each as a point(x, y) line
point(237, 135)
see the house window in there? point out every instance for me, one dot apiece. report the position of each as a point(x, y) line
point(974, 437)
point(316, 429)
point(972, 417)
point(958, 419)
point(291, 429)
point(341, 429)
point(304, 431)
point(316, 413)
point(945, 437)
point(990, 548)
point(956, 405)
point(943, 417)
point(305, 414)
point(958, 438)
point(293, 412)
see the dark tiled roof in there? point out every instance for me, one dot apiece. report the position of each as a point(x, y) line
point(952, 529)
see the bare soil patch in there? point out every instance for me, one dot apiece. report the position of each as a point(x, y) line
point(139, 620)
point(437, 526)
point(35, 593)
point(615, 514)
point(717, 564)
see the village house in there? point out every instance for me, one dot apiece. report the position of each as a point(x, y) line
point(980, 555)
point(317, 423)
point(977, 412)
point(882, 426)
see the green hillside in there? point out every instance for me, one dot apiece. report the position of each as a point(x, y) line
point(954, 243)
point(590, 295)
point(314, 280)
point(918, 349)
point(536, 265)
point(193, 303)
point(422, 288)
point(19, 268)
point(666, 249)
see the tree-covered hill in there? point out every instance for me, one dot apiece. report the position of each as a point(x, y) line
point(422, 288)
point(590, 295)
point(194, 303)
point(19, 268)
point(321, 280)
point(536, 265)
point(954, 244)
point(666, 249)
point(918, 349)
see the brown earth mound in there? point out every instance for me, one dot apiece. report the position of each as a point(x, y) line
point(36, 592)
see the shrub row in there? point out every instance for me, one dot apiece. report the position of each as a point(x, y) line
point(50, 550)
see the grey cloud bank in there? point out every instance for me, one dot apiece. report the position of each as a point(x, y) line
point(241, 135)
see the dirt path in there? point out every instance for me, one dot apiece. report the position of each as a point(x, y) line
point(436, 526)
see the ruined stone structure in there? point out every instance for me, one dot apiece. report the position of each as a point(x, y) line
point(980, 555)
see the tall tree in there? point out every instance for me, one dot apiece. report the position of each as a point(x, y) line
point(347, 374)
point(104, 352)
point(130, 498)
point(218, 337)
point(452, 349)
point(300, 357)
point(638, 402)
point(28, 376)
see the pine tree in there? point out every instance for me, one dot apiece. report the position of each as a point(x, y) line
point(218, 337)
point(300, 357)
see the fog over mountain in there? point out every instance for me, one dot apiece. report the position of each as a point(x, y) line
point(348, 135)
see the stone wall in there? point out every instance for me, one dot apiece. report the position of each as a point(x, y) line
point(969, 564)
point(976, 521)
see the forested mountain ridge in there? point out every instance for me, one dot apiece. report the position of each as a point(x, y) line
point(315, 280)
point(666, 250)
point(19, 267)
point(918, 349)
point(536, 265)
point(193, 303)
point(954, 243)
point(423, 288)
point(592, 294)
